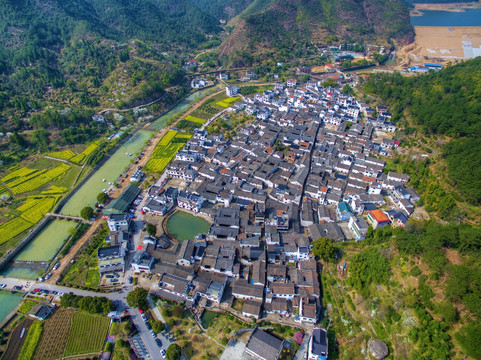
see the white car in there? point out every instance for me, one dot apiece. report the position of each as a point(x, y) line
point(3, 286)
point(162, 352)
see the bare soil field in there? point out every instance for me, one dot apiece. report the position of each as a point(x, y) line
point(15, 343)
point(439, 44)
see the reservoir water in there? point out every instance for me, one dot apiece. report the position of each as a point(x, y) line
point(469, 17)
point(110, 171)
point(184, 226)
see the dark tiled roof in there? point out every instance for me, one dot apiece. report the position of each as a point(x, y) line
point(264, 345)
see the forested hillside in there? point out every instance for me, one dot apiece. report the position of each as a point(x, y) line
point(221, 9)
point(72, 57)
point(447, 103)
point(417, 289)
point(287, 27)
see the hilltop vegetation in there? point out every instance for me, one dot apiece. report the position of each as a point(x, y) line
point(291, 28)
point(444, 105)
point(420, 283)
point(221, 9)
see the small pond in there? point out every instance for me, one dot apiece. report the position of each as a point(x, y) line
point(184, 226)
point(207, 318)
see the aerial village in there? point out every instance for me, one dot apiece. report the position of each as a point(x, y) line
point(308, 167)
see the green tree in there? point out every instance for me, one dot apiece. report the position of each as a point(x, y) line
point(137, 298)
point(470, 337)
point(102, 198)
point(87, 213)
point(151, 229)
point(157, 326)
point(173, 352)
point(323, 248)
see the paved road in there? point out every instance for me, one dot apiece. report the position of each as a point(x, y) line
point(300, 355)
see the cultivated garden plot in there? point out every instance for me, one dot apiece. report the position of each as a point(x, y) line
point(87, 334)
point(56, 332)
point(164, 152)
point(71, 156)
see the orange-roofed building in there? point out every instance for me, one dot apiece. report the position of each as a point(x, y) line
point(377, 218)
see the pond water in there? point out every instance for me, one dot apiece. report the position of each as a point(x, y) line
point(110, 171)
point(159, 123)
point(8, 301)
point(469, 17)
point(184, 226)
point(45, 245)
point(207, 318)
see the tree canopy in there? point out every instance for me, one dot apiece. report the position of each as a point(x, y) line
point(173, 352)
point(323, 248)
point(137, 298)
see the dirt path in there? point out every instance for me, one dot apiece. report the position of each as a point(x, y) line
point(15, 342)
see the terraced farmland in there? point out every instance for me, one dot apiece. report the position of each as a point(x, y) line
point(227, 102)
point(87, 334)
point(18, 174)
point(35, 213)
point(40, 180)
point(64, 155)
point(12, 228)
point(77, 159)
point(195, 120)
point(166, 150)
point(55, 335)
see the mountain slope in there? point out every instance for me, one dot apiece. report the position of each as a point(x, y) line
point(222, 9)
point(284, 24)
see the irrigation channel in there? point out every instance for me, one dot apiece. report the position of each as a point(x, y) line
point(38, 253)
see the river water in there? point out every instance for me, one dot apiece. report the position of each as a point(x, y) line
point(469, 17)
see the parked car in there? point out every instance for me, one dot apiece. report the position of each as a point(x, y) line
point(152, 332)
point(17, 287)
point(158, 342)
point(143, 317)
point(116, 275)
point(113, 280)
point(131, 279)
point(162, 353)
point(36, 290)
point(56, 266)
point(148, 325)
point(48, 276)
point(3, 286)
point(109, 276)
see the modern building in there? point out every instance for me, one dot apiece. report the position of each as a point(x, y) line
point(377, 218)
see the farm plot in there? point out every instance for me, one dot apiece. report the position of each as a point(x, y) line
point(55, 190)
point(166, 150)
point(55, 335)
point(20, 180)
point(31, 341)
point(18, 174)
point(35, 213)
point(26, 307)
point(40, 180)
point(12, 228)
point(77, 159)
point(87, 334)
point(227, 102)
point(195, 120)
point(63, 155)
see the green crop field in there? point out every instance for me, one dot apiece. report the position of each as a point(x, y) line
point(55, 190)
point(18, 174)
point(40, 180)
point(77, 159)
point(26, 307)
point(168, 137)
point(166, 150)
point(19, 180)
point(56, 332)
point(87, 334)
point(64, 155)
point(195, 120)
point(31, 341)
point(227, 102)
point(35, 213)
point(12, 228)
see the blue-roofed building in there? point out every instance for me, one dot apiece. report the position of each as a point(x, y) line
point(344, 211)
